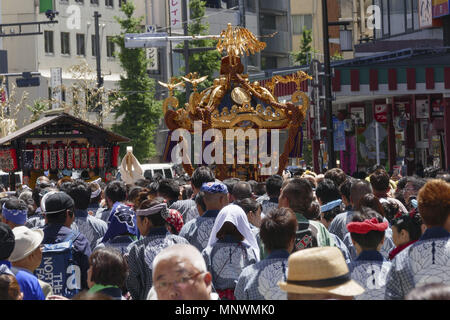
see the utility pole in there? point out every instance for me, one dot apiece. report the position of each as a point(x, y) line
point(327, 79)
point(186, 47)
point(98, 60)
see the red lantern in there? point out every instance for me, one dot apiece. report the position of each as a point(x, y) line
point(101, 157)
point(115, 156)
point(53, 158)
point(92, 160)
point(76, 155)
point(8, 160)
point(84, 157)
point(45, 156)
point(70, 157)
point(61, 155)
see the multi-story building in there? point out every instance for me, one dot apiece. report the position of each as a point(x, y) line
point(64, 44)
point(308, 14)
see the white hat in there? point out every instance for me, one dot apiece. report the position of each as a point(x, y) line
point(27, 241)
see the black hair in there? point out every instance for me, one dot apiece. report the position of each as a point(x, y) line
point(336, 175)
point(242, 190)
point(134, 193)
point(371, 239)
point(14, 203)
point(260, 189)
point(116, 191)
point(299, 193)
point(411, 223)
point(202, 175)
point(278, 228)
point(391, 209)
point(230, 182)
point(273, 185)
point(142, 183)
point(380, 180)
point(248, 204)
point(199, 200)
point(169, 188)
point(345, 186)
point(331, 214)
point(80, 192)
point(36, 194)
point(327, 191)
point(187, 192)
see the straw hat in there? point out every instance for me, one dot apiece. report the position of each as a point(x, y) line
point(318, 271)
point(27, 241)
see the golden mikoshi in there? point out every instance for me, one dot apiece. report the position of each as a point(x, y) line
point(251, 103)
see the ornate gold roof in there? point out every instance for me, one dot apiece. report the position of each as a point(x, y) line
point(232, 100)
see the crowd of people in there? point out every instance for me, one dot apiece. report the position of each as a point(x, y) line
point(296, 236)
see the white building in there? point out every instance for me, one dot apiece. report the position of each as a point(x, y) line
point(63, 45)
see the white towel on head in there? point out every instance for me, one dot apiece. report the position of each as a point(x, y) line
point(234, 214)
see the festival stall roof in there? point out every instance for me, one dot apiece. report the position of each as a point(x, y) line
point(62, 126)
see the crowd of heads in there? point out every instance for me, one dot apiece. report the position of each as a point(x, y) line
point(316, 197)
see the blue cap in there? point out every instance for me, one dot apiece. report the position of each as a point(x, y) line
point(214, 187)
point(330, 205)
point(14, 215)
point(414, 203)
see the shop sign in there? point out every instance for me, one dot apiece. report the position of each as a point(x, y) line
point(380, 113)
point(440, 8)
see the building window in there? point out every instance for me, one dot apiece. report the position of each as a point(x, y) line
point(299, 22)
point(109, 3)
point(268, 63)
point(109, 47)
point(65, 43)
point(94, 2)
point(385, 14)
point(48, 42)
point(81, 49)
point(122, 2)
point(94, 49)
point(268, 22)
point(397, 17)
point(79, 1)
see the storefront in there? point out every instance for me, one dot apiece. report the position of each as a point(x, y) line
point(397, 106)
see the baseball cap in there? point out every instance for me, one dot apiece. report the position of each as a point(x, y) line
point(57, 202)
point(7, 241)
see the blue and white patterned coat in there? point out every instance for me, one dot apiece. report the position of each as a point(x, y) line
point(92, 227)
point(198, 230)
point(140, 258)
point(425, 261)
point(388, 245)
point(259, 281)
point(225, 261)
point(370, 270)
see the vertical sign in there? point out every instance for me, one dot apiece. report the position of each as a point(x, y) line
point(55, 84)
point(176, 17)
point(152, 53)
point(338, 134)
point(425, 13)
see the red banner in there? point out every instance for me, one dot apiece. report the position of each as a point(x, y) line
point(92, 158)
